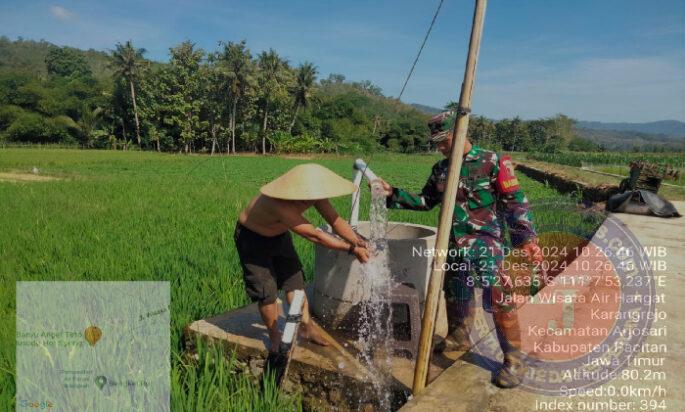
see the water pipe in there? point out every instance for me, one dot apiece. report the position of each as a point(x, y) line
point(361, 165)
point(361, 170)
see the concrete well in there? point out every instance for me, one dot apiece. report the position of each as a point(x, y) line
point(339, 279)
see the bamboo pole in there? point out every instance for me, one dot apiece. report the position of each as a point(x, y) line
point(447, 209)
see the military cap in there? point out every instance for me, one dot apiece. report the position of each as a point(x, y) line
point(440, 126)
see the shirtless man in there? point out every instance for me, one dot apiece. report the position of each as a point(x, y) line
point(267, 255)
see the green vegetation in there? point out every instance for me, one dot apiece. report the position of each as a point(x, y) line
point(608, 158)
point(548, 135)
point(28, 56)
point(148, 216)
point(227, 100)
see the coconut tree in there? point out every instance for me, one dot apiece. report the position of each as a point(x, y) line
point(272, 80)
point(127, 63)
point(239, 68)
point(215, 97)
point(305, 77)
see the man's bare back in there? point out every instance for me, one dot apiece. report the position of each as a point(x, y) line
point(270, 217)
point(265, 215)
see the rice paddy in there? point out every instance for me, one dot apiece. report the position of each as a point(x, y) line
point(113, 216)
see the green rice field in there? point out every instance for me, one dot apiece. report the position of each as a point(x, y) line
point(675, 159)
point(161, 217)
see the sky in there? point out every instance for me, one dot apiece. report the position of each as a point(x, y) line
point(600, 60)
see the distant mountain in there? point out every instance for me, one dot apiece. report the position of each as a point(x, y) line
point(626, 140)
point(670, 128)
point(426, 109)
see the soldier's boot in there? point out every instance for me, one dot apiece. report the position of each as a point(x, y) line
point(509, 335)
point(460, 318)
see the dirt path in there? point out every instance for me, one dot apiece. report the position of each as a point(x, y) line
point(25, 177)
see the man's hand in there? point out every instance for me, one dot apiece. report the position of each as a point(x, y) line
point(339, 225)
point(387, 189)
point(533, 251)
point(361, 240)
point(361, 253)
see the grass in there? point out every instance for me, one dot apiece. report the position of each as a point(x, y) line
point(148, 216)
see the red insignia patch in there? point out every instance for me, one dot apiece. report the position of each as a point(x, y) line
point(506, 179)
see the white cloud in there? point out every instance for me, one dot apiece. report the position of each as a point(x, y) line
point(61, 13)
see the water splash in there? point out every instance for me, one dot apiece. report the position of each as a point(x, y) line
point(375, 324)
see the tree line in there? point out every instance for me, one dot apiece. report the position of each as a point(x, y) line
point(548, 135)
point(228, 100)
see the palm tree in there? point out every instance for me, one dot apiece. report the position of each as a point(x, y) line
point(305, 78)
point(127, 63)
point(239, 70)
point(271, 81)
point(213, 89)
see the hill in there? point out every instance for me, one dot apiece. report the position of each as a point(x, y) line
point(663, 135)
point(669, 128)
point(28, 56)
point(426, 109)
point(627, 140)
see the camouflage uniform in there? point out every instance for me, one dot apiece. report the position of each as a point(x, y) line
point(477, 234)
point(488, 197)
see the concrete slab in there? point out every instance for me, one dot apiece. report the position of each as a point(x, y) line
point(653, 380)
point(328, 377)
point(242, 330)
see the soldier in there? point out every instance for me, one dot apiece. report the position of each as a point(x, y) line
point(487, 197)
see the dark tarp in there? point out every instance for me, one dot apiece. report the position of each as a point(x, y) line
point(642, 202)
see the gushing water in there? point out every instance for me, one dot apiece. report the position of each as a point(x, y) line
point(375, 325)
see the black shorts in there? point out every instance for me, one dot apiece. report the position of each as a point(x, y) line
point(269, 263)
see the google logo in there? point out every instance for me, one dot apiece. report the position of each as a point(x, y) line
point(36, 404)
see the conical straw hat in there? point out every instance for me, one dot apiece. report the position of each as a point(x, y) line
point(309, 181)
